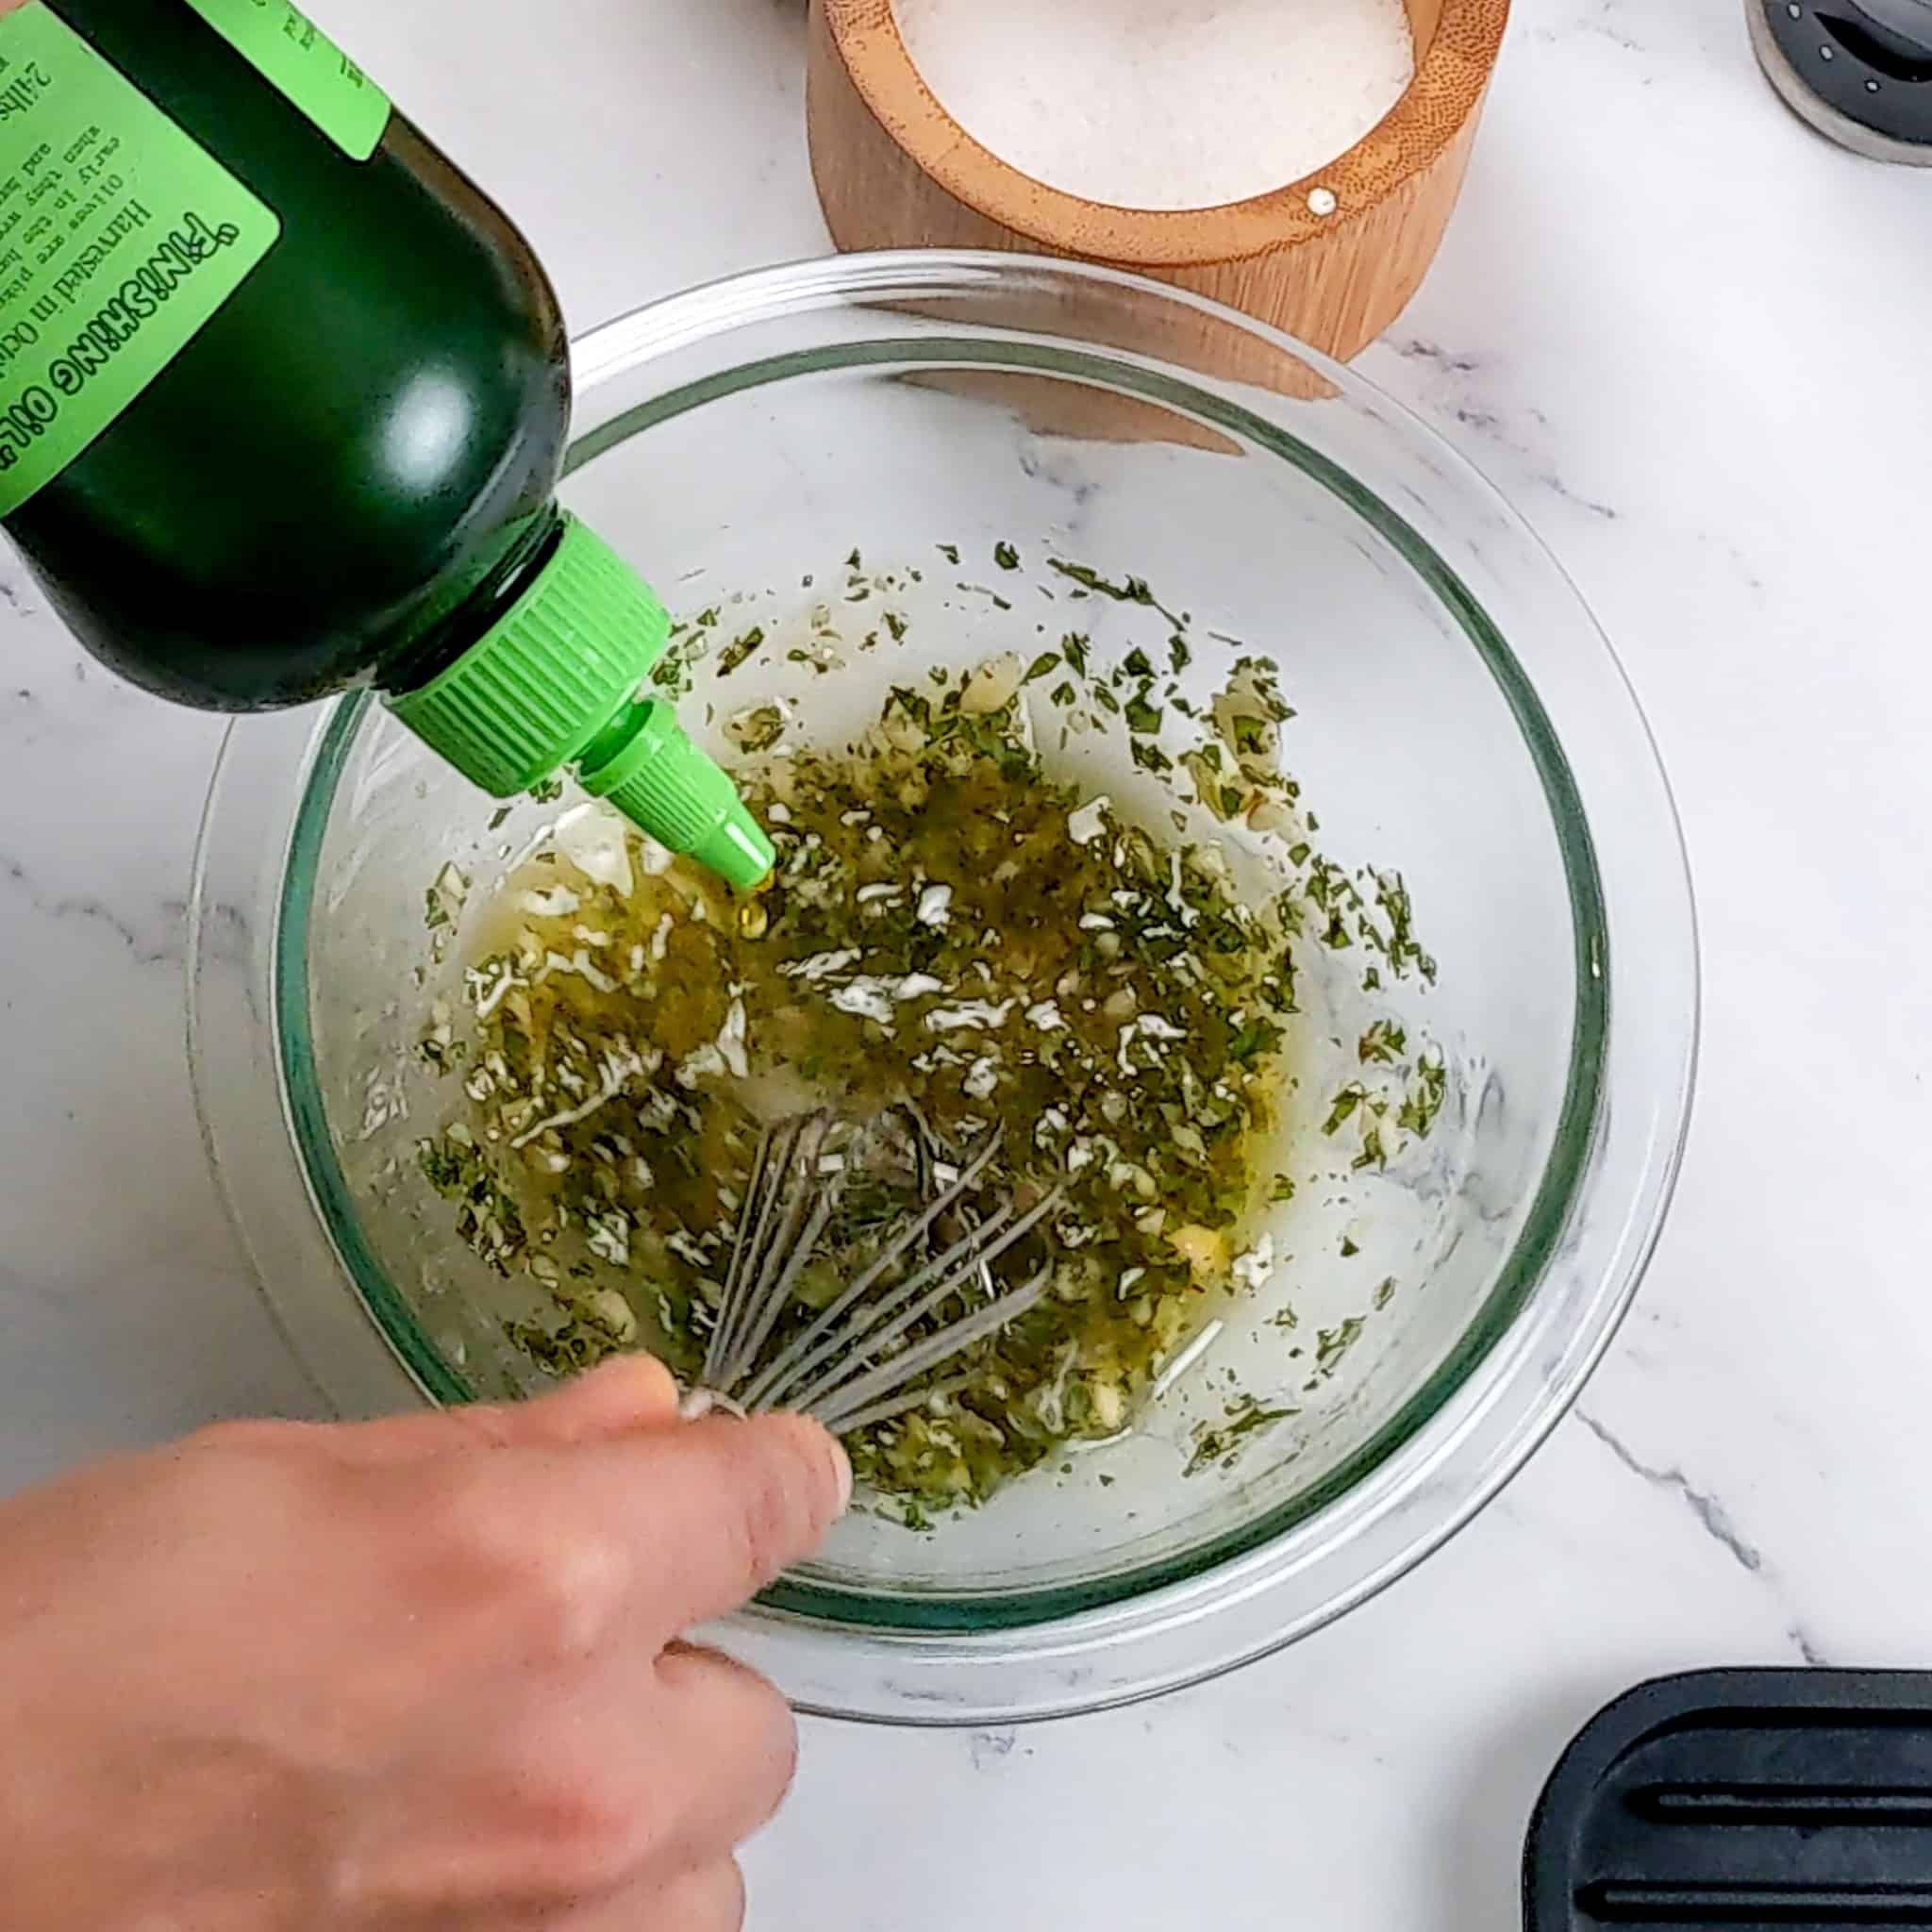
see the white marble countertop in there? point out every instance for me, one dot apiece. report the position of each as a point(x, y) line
point(1687, 338)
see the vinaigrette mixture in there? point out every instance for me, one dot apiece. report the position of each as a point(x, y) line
point(953, 939)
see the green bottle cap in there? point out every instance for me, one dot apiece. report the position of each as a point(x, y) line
point(556, 680)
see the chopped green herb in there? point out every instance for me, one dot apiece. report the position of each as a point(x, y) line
point(1383, 1043)
point(1255, 1041)
point(1129, 591)
point(738, 649)
point(756, 729)
point(1332, 1344)
point(1424, 1099)
point(1346, 1102)
point(1221, 1444)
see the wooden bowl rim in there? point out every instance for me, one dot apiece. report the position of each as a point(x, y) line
point(1447, 89)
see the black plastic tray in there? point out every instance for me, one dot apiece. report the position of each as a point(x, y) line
point(1747, 1800)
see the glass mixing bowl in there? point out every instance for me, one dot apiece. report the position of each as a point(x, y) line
point(1460, 718)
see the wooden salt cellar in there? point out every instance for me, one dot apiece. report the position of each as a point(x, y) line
point(1332, 259)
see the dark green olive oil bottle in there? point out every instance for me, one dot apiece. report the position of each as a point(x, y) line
point(283, 406)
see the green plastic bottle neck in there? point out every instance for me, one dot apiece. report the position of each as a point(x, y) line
point(556, 682)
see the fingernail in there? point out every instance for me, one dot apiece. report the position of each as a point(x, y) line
point(843, 1464)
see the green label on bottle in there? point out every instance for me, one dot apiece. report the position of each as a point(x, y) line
point(307, 66)
point(119, 237)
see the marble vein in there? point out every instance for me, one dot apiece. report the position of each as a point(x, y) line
point(1463, 381)
point(89, 910)
point(1710, 1514)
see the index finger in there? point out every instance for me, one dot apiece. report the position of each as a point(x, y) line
point(626, 1393)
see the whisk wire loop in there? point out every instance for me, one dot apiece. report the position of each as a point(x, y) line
point(862, 1359)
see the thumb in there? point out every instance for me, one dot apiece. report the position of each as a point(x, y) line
point(716, 1510)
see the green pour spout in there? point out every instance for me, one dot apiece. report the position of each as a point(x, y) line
point(556, 682)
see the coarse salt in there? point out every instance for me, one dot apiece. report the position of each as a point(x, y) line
point(1163, 104)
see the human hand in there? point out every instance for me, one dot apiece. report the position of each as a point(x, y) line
point(417, 1674)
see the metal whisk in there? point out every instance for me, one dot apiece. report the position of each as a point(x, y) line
point(862, 1359)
